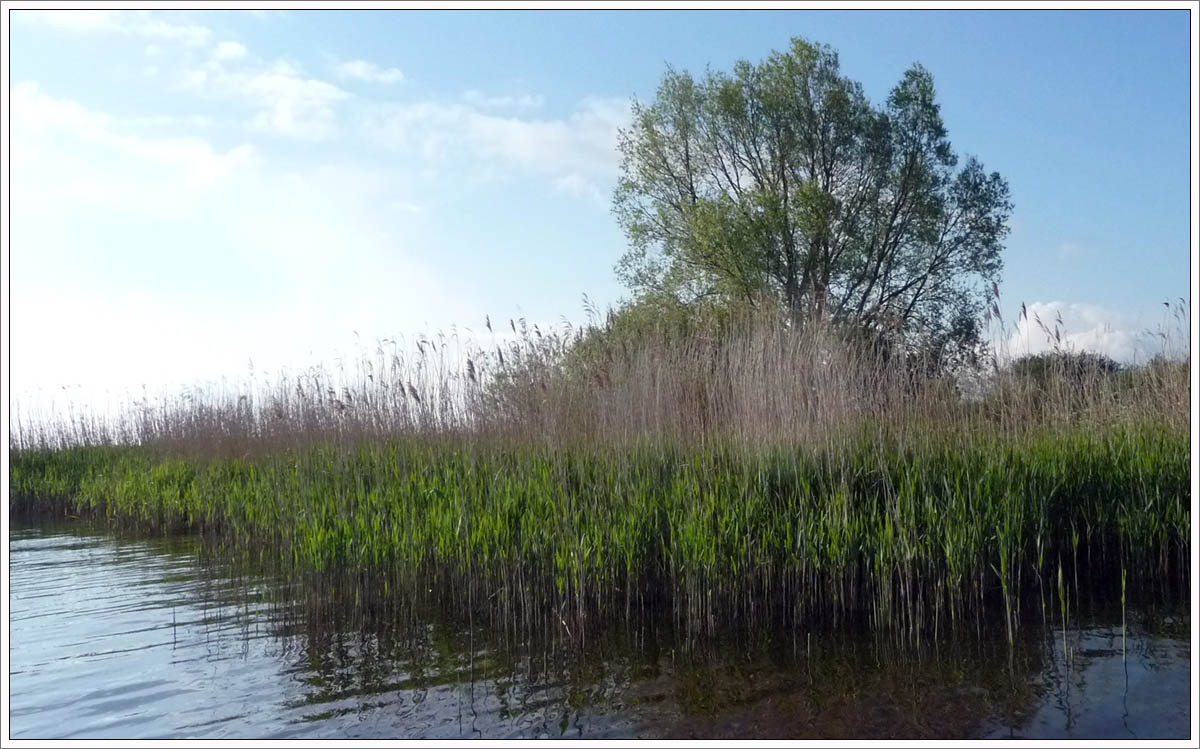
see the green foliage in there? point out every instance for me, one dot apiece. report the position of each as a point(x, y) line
point(781, 180)
point(640, 324)
point(1065, 381)
point(1077, 367)
point(869, 528)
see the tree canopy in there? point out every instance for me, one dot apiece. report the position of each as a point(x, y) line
point(781, 183)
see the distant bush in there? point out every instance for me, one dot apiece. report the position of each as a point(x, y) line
point(1073, 367)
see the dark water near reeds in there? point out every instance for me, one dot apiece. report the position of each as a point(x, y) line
point(138, 639)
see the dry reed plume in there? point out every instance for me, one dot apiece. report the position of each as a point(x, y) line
point(758, 382)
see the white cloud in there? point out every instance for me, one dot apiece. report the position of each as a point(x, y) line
point(578, 187)
point(585, 142)
point(191, 35)
point(229, 51)
point(367, 71)
point(578, 152)
point(36, 114)
point(287, 101)
point(75, 20)
point(167, 120)
point(139, 23)
point(522, 103)
point(1079, 327)
point(123, 261)
point(292, 105)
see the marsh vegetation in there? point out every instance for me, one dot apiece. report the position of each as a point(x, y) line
point(728, 473)
point(797, 427)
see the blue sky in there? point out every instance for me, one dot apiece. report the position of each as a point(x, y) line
point(191, 190)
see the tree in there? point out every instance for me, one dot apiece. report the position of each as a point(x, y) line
point(780, 180)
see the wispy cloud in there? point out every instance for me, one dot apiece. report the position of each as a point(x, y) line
point(578, 152)
point(213, 255)
point(36, 114)
point(133, 23)
point(577, 186)
point(362, 70)
point(286, 100)
point(229, 51)
point(521, 103)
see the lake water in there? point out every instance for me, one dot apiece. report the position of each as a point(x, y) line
point(152, 639)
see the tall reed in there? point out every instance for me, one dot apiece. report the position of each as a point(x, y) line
point(730, 473)
point(757, 382)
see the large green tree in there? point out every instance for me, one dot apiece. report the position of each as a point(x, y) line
point(780, 181)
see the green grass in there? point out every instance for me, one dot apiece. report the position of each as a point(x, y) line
point(912, 538)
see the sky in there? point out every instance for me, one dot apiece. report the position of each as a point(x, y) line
point(194, 193)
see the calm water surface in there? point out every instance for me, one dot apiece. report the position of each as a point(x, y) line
point(136, 639)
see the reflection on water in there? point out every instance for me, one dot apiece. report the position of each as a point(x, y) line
point(126, 639)
point(1101, 685)
point(134, 639)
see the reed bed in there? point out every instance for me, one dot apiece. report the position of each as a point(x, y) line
point(729, 474)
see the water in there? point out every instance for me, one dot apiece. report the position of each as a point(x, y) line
point(1100, 686)
point(154, 639)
